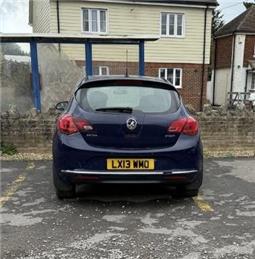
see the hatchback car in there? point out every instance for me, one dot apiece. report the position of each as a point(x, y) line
point(126, 130)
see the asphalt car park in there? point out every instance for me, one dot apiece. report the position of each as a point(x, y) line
point(128, 221)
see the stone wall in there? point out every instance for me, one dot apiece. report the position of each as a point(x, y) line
point(220, 130)
point(228, 131)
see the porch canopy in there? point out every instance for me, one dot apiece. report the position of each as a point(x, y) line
point(88, 40)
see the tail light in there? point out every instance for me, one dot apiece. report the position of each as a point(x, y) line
point(187, 126)
point(68, 125)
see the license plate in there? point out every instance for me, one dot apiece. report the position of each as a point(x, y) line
point(130, 164)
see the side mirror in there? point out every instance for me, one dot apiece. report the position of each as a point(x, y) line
point(61, 106)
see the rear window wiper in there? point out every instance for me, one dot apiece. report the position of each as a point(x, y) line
point(116, 109)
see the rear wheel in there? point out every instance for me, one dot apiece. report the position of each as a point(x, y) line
point(63, 190)
point(65, 194)
point(192, 189)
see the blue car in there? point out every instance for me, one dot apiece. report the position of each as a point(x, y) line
point(126, 130)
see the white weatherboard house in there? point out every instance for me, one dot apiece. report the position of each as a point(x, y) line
point(181, 54)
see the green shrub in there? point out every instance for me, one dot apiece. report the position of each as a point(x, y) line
point(8, 149)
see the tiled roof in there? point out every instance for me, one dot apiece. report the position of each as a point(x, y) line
point(244, 23)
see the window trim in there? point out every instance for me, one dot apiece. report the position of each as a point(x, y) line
point(174, 75)
point(98, 20)
point(167, 35)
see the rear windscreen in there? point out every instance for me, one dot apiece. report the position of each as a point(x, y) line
point(144, 99)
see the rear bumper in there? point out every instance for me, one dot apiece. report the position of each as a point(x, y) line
point(175, 177)
point(133, 173)
point(177, 165)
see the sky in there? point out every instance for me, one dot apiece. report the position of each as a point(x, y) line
point(14, 14)
point(231, 8)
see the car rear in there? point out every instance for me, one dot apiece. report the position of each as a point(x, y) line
point(127, 130)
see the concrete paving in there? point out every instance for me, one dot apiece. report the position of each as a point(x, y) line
point(128, 221)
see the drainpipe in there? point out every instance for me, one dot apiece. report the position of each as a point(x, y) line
point(246, 81)
point(58, 23)
point(203, 67)
point(214, 70)
point(232, 65)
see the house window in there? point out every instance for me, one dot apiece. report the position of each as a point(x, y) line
point(172, 24)
point(103, 70)
point(94, 20)
point(173, 75)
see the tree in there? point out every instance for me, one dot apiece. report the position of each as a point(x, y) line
point(217, 21)
point(12, 49)
point(248, 4)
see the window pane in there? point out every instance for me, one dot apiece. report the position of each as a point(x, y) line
point(177, 77)
point(86, 20)
point(102, 21)
point(179, 24)
point(94, 20)
point(163, 23)
point(177, 81)
point(171, 24)
point(145, 99)
point(103, 71)
point(170, 75)
point(162, 73)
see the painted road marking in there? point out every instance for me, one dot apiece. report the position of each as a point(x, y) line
point(11, 190)
point(14, 186)
point(202, 204)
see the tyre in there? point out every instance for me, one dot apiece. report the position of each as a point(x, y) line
point(63, 190)
point(65, 194)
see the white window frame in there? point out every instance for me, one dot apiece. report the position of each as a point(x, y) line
point(100, 68)
point(90, 20)
point(167, 35)
point(174, 75)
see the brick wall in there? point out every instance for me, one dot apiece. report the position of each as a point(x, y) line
point(191, 76)
point(249, 49)
point(191, 80)
point(224, 52)
point(220, 131)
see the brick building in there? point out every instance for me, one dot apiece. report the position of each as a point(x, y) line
point(181, 54)
point(235, 57)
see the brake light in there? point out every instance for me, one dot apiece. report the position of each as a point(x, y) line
point(187, 126)
point(69, 125)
